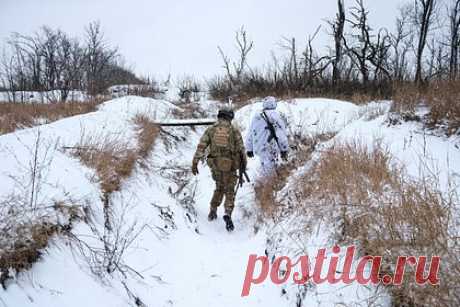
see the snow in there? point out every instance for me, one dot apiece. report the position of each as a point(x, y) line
point(422, 152)
point(307, 115)
point(180, 258)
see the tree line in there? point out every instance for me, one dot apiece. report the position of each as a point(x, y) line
point(50, 59)
point(422, 47)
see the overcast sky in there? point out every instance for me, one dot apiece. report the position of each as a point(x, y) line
point(159, 37)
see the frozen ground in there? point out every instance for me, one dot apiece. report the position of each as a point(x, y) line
point(176, 257)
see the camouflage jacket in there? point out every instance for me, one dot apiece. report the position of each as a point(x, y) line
point(223, 141)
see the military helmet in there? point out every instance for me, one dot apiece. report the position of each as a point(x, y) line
point(226, 113)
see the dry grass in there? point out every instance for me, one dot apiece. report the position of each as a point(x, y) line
point(15, 116)
point(114, 158)
point(442, 98)
point(406, 98)
point(384, 211)
point(266, 189)
point(111, 157)
point(147, 134)
point(24, 252)
point(25, 234)
point(342, 170)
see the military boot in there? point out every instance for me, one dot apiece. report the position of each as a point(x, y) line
point(228, 223)
point(212, 215)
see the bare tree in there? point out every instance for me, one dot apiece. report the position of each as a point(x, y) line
point(235, 69)
point(361, 51)
point(423, 19)
point(380, 56)
point(454, 38)
point(52, 62)
point(401, 44)
point(15, 69)
point(7, 75)
point(291, 67)
point(70, 64)
point(337, 30)
point(98, 57)
point(313, 64)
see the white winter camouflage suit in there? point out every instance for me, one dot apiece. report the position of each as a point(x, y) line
point(258, 135)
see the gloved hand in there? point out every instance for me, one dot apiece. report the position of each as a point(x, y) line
point(250, 154)
point(195, 167)
point(284, 155)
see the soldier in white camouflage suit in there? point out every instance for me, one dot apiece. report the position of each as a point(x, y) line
point(267, 137)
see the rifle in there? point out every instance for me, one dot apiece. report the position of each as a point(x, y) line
point(242, 172)
point(272, 130)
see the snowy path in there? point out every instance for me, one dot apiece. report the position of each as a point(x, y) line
point(205, 268)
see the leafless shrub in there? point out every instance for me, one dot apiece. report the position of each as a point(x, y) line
point(219, 87)
point(189, 89)
point(107, 258)
point(114, 160)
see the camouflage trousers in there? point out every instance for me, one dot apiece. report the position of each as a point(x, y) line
point(225, 186)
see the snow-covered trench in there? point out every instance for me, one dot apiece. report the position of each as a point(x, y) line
point(175, 257)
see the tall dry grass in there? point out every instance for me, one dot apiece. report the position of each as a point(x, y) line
point(442, 98)
point(26, 233)
point(26, 249)
point(147, 134)
point(15, 116)
point(370, 201)
point(113, 157)
point(385, 212)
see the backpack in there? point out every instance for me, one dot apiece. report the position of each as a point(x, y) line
point(222, 148)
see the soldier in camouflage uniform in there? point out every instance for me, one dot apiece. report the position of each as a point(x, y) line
point(226, 152)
